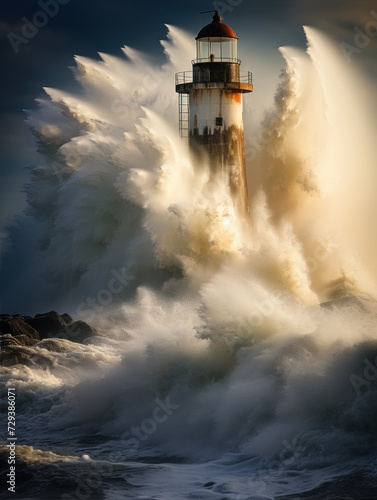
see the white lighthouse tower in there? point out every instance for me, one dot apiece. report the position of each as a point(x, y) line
point(210, 106)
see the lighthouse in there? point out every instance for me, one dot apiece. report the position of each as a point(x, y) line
point(210, 107)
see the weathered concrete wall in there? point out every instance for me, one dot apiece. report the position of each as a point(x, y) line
point(208, 104)
point(222, 139)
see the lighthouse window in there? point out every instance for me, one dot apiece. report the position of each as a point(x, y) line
point(202, 49)
point(219, 121)
point(215, 49)
point(229, 49)
point(220, 48)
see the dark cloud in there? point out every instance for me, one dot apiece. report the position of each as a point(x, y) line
point(335, 11)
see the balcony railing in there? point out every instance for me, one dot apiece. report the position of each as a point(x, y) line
point(187, 77)
point(216, 59)
point(183, 77)
point(246, 78)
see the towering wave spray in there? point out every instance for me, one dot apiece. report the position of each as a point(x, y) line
point(118, 187)
point(221, 320)
point(316, 161)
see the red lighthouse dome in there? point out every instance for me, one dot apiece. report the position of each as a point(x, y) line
point(216, 29)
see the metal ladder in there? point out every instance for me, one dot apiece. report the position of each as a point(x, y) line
point(184, 114)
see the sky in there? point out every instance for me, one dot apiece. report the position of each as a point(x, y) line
point(33, 57)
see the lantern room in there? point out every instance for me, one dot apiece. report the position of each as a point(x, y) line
point(216, 42)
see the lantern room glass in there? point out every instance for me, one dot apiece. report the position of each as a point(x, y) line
point(216, 49)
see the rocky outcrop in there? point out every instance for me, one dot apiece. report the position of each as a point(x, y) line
point(19, 334)
point(67, 318)
point(363, 303)
point(16, 326)
point(78, 331)
point(13, 351)
point(48, 325)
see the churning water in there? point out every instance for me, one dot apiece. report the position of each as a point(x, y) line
point(216, 373)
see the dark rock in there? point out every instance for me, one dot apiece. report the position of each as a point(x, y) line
point(47, 325)
point(8, 339)
point(67, 318)
point(38, 359)
point(362, 303)
point(20, 334)
point(42, 315)
point(14, 355)
point(25, 340)
point(16, 326)
point(13, 349)
point(78, 331)
point(54, 345)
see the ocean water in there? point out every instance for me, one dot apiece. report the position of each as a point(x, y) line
point(234, 359)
